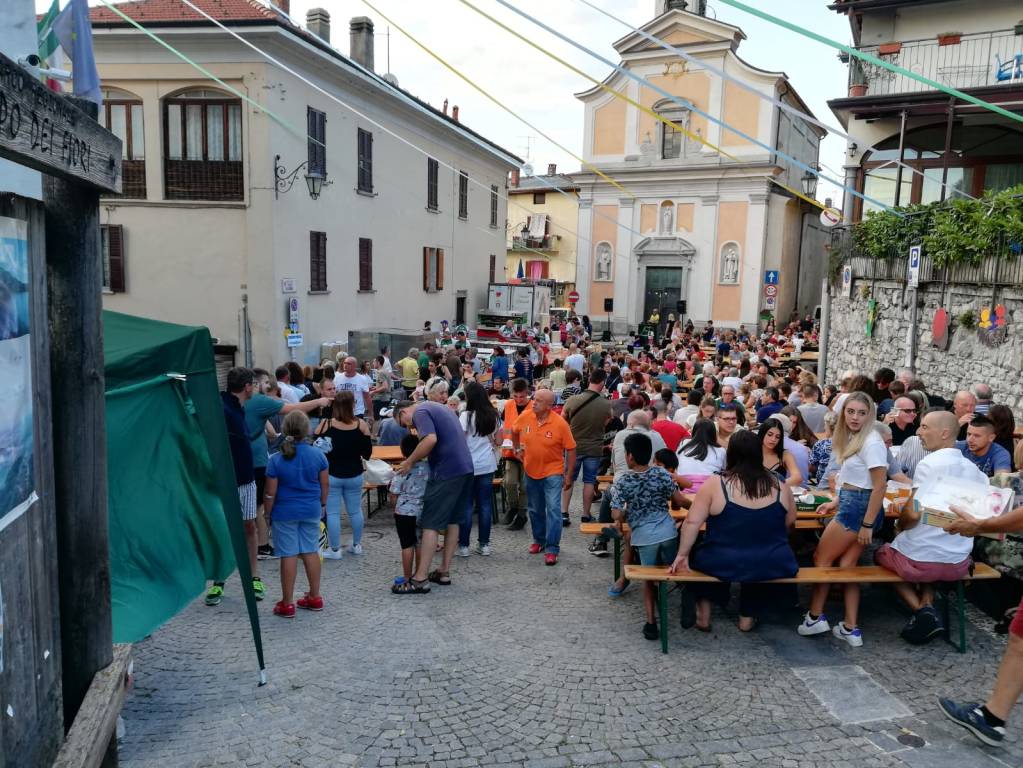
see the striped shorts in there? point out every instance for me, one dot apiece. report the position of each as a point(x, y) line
point(247, 499)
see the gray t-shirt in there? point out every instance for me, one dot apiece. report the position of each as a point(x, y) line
point(450, 457)
point(813, 415)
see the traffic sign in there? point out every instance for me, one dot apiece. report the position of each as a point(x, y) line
point(294, 340)
point(769, 302)
point(770, 291)
point(914, 266)
point(573, 297)
point(830, 217)
point(771, 277)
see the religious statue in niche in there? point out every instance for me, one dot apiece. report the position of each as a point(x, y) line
point(667, 219)
point(602, 259)
point(730, 263)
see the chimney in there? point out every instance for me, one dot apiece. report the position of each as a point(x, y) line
point(361, 41)
point(283, 5)
point(317, 21)
point(552, 169)
point(515, 177)
point(445, 106)
point(454, 113)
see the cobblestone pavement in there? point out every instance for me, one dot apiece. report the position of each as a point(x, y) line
point(521, 664)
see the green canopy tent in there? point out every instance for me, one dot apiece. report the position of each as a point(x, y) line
point(175, 520)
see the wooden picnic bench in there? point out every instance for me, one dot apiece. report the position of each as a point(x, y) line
point(858, 574)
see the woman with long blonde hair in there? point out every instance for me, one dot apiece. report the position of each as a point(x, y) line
point(862, 478)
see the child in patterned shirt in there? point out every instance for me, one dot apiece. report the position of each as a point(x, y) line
point(406, 494)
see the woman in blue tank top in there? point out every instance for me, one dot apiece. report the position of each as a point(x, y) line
point(748, 513)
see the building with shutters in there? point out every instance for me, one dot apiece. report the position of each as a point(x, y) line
point(217, 224)
point(702, 219)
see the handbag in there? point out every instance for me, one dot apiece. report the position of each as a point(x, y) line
point(377, 471)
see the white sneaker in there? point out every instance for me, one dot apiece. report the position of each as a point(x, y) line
point(484, 549)
point(355, 549)
point(331, 554)
point(811, 627)
point(852, 636)
point(463, 552)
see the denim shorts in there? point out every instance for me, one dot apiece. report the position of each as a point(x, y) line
point(589, 466)
point(852, 508)
point(661, 553)
point(296, 537)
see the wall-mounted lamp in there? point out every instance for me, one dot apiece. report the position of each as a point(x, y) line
point(283, 181)
point(809, 181)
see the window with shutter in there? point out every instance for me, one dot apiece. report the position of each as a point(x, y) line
point(317, 141)
point(463, 195)
point(112, 243)
point(365, 264)
point(432, 173)
point(493, 206)
point(493, 267)
point(365, 161)
point(317, 261)
point(433, 269)
point(440, 269)
point(203, 146)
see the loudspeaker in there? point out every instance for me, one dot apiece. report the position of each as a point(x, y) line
point(680, 307)
point(605, 336)
point(609, 305)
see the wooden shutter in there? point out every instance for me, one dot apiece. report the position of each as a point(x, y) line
point(365, 264)
point(317, 130)
point(463, 195)
point(493, 208)
point(115, 244)
point(426, 269)
point(317, 261)
point(440, 269)
point(493, 266)
point(432, 167)
point(365, 161)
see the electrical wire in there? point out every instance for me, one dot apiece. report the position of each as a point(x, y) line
point(869, 58)
point(806, 116)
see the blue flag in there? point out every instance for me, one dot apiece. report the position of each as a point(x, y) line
point(522, 272)
point(74, 32)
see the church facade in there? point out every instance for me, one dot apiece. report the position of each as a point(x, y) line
point(700, 219)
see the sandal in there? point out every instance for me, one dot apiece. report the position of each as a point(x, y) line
point(440, 577)
point(614, 591)
point(410, 587)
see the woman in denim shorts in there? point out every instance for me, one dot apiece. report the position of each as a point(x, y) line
point(862, 479)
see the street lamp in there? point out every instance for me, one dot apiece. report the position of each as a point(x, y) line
point(283, 181)
point(809, 181)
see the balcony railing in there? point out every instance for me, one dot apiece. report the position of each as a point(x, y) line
point(547, 243)
point(977, 60)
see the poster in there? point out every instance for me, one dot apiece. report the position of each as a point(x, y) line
point(16, 439)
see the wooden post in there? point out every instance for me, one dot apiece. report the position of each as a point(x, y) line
point(74, 269)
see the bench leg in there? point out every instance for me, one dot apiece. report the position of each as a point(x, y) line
point(961, 600)
point(618, 559)
point(662, 613)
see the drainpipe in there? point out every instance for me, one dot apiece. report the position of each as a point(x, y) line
point(822, 341)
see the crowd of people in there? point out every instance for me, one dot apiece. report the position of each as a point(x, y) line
point(719, 422)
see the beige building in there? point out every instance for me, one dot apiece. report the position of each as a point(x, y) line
point(218, 224)
point(702, 227)
point(953, 148)
point(542, 244)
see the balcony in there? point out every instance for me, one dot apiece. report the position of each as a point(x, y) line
point(975, 61)
point(547, 243)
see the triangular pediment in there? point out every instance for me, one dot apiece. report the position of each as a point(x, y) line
point(664, 244)
point(680, 29)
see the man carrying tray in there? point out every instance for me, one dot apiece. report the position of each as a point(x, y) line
point(923, 554)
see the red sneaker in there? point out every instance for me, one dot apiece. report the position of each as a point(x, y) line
point(286, 611)
point(311, 603)
point(535, 549)
point(550, 559)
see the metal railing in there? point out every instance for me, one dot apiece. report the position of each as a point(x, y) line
point(973, 62)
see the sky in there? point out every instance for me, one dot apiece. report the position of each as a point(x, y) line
point(541, 90)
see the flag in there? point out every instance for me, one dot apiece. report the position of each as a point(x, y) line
point(44, 28)
point(74, 32)
point(522, 272)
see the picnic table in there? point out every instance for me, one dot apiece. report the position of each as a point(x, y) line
point(389, 453)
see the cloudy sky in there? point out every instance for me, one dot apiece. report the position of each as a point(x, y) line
point(541, 90)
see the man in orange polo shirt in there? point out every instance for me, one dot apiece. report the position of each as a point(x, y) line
point(545, 442)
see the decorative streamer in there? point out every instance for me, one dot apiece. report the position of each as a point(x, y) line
point(747, 87)
point(872, 59)
point(677, 99)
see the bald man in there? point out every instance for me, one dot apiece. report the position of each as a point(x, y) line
point(544, 442)
point(923, 554)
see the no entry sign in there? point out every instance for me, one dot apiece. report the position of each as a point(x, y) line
point(573, 297)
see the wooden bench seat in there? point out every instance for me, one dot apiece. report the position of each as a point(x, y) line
point(859, 574)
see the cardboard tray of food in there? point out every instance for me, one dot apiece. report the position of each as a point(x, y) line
point(979, 500)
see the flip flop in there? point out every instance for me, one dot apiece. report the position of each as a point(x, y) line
point(440, 578)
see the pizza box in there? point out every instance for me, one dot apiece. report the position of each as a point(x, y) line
point(980, 500)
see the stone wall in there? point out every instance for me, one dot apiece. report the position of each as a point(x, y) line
point(967, 360)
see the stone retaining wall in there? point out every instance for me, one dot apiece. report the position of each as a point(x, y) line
point(967, 360)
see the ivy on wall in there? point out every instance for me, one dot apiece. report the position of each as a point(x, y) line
point(960, 231)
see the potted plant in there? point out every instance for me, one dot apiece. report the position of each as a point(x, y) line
point(857, 79)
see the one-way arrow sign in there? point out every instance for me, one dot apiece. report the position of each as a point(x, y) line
point(771, 277)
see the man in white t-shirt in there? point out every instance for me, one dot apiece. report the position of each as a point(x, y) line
point(922, 554)
point(575, 359)
point(350, 380)
point(289, 394)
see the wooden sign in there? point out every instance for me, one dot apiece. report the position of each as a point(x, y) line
point(44, 130)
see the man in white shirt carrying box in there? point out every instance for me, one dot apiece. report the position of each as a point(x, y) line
point(923, 554)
